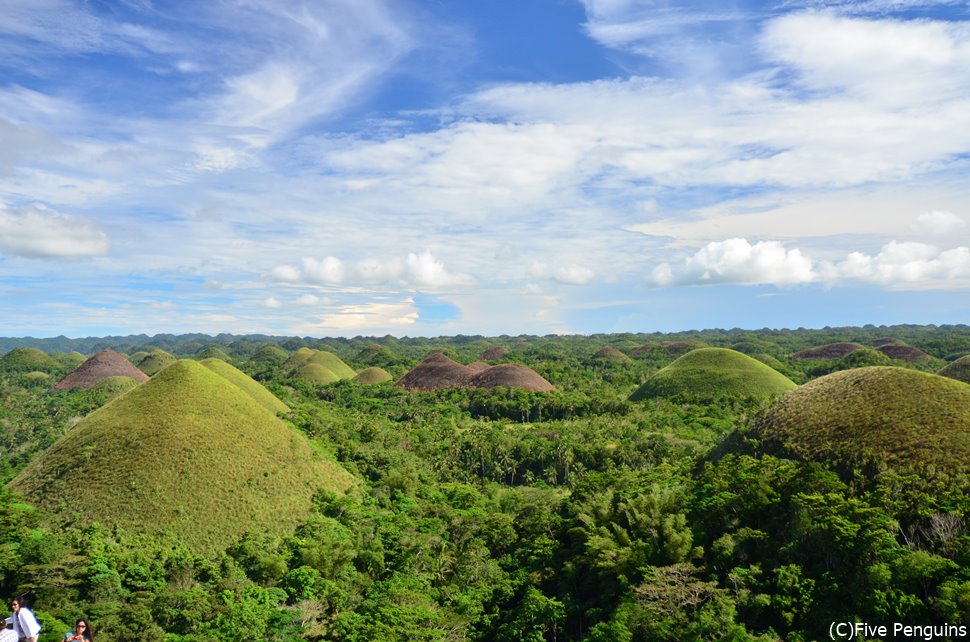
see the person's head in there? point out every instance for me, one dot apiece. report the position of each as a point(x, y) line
point(81, 627)
point(15, 604)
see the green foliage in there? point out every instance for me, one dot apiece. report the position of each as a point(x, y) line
point(482, 514)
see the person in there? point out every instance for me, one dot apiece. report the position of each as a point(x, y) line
point(25, 625)
point(81, 633)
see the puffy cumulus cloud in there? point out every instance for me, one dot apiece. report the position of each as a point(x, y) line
point(569, 274)
point(36, 231)
point(901, 265)
point(366, 316)
point(272, 303)
point(415, 271)
point(738, 261)
point(937, 223)
point(898, 265)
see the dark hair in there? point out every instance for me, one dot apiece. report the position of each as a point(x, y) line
point(88, 633)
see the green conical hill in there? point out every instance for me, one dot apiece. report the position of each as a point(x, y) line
point(155, 361)
point(114, 386)
point(372, 375)
point(247, 384)
point(27, 359)
point(328, 360)
point(213, 352)
point(299, 358)
point(375, 354)
point(269, 355)
point(714, 372)
point(71, 359)
point(186, 457)
point(959, 369)
point(880, 416)
point(315, 373)
point(333, 363)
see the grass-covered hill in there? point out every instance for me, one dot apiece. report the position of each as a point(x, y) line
point(714, 372)
point(372, 375)
point(154, 361)
point(328, 360)
point(187, 456)
point(877, 416)
point(314, 374)
point(213, 352)
point(959, 369)
point(245, 383)
point(26, 360)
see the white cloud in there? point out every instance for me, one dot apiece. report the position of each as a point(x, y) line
point(308, 300)
point(902, 264)
point(897, 61)
point(370, 316)
point(415, 271)
point(897, 265)
point(36, 231)
point(738, 261)
point(569, 274)
point(272, 302)
point(937, 223)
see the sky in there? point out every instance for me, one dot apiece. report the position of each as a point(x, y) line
point(441, 167)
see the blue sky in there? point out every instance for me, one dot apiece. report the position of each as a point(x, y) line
point(482, 167)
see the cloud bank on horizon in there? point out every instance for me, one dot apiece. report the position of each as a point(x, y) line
point(335, 168)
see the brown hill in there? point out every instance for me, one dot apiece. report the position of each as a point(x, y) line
point(828, 351)
point(608, 353)
point(102, 365)
point(477, 366)
point(436, 371)
point(494, 354)
point(886, 341)
point(903, 353)
point(510, 375)
point(667, 349)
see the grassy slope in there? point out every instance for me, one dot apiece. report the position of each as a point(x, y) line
point(893, 416)
point(154, 361)
point(328, 360)
point(712, 372)
point(372, 375)
point(246, 383)
point(186, 456)
point(27, 359)
point(959, 369)
point(315, 373)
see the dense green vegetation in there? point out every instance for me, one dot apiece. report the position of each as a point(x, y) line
point(502, 514)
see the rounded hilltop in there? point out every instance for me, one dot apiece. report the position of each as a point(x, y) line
point(27, 360)
point(372, 375)
point(709, 373)
point(100, 366)
point(188, 456)
point(879, 416)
